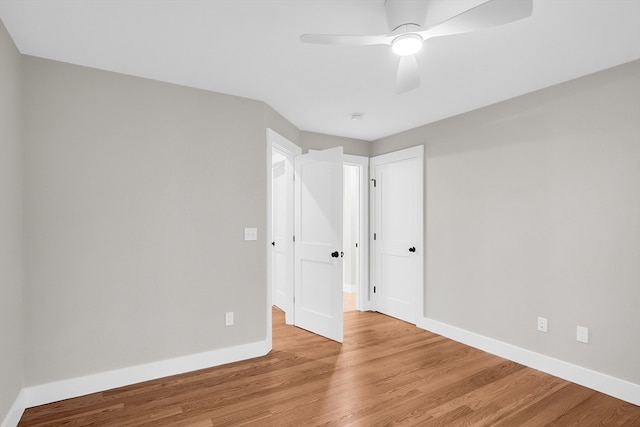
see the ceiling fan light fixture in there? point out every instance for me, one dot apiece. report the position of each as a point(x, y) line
point(406, 44)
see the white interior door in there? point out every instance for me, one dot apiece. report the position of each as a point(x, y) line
point(282, 173)
point(318, 243)
point(398, 224)
point(280, 256)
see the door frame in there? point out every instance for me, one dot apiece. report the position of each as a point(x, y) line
point(416, 152)
point(363, 303)
point(275, 140)
point(282, 144)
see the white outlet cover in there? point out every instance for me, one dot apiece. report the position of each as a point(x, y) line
point(582, 334)
point(542, 324)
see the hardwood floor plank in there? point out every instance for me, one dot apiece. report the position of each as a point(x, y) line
point(607, 410)
point(504, 396)
point(88, 414)
point(547, 409)
point(387, 372)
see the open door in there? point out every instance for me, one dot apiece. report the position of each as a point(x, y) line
point(318, 243)
point(282, 233)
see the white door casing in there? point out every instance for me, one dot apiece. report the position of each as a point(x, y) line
point(397, 233)
point(318, 243)
point(278, 144)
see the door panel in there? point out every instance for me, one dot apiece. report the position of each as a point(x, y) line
point(313, 295)
point(318, 223)
point(398, 253)
point(279, 234)
point(316, 201)
point(397, 182)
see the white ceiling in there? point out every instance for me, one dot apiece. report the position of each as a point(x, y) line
point(251, 48)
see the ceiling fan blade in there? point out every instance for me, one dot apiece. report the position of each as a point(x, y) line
point(486, 15)
point(408, 77)
point(346, 40)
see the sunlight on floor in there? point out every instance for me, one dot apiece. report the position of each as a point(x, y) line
point(348, 301)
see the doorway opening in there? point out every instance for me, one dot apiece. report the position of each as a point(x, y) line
point(355, 233)
point(282, 162)
point(281, 229)
point(350, 236)
point(280, 153)
point(399, 175)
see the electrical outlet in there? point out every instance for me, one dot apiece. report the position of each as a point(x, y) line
point(542, 324)
point(582, 334)
point(228, 318)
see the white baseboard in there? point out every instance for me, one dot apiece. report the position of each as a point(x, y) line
point(603, 383)
point(59, 390)
point(74, 387)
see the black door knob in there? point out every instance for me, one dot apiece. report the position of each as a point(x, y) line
point(335, 254)
point(273, 243)
point(412, 249)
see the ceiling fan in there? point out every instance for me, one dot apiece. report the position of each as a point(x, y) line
point(406, 21)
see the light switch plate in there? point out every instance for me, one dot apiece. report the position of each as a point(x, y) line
point(250, 234)
point(228, 318)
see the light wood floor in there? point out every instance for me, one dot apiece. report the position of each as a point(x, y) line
point(387, 372)
point(348, 301)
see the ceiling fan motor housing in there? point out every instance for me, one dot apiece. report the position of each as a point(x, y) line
point(402, 12)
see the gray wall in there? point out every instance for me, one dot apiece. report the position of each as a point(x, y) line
point(11, 282)
point(136, 197)
point(533, 209)
point(275, 121)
